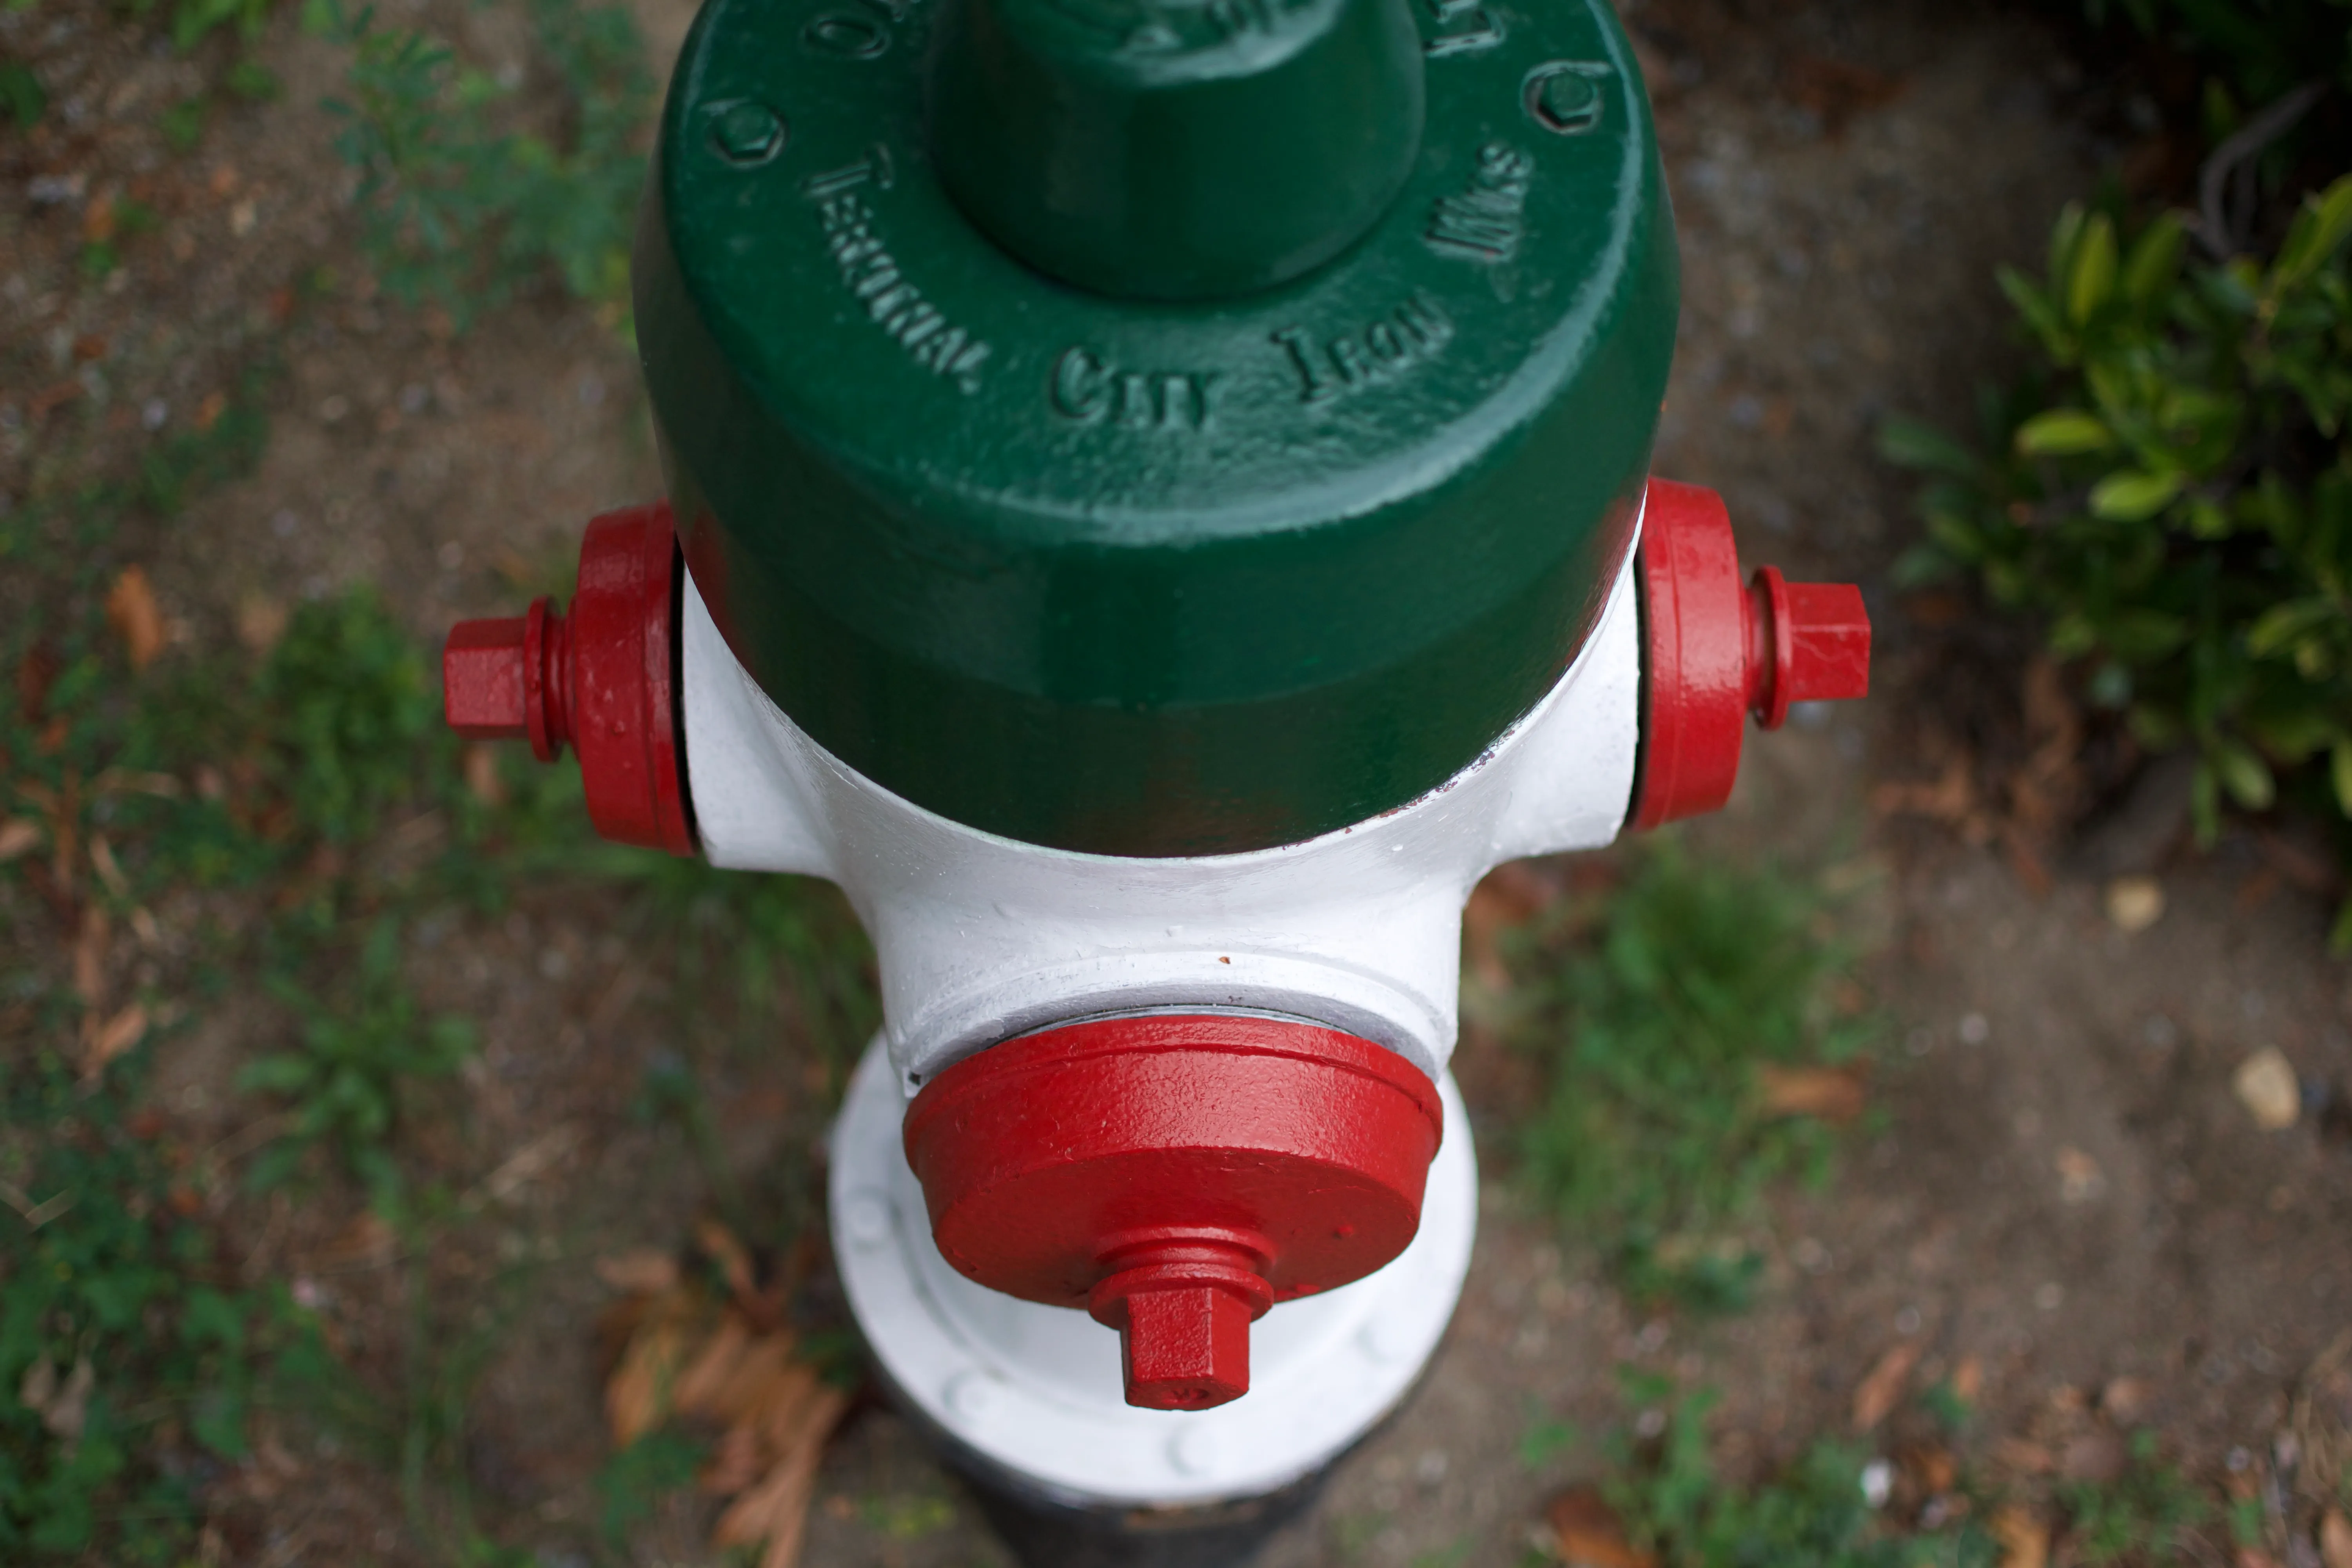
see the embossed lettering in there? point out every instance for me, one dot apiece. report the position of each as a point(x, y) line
point(1487, 221)
point(1331, 368)
point(1464, 26)
point(894, 304)
point(875, 166)
point(1087, 388)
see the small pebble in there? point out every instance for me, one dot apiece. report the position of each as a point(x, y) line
point(2134, 903)
point(1975, 1029)
point(2266, 1086)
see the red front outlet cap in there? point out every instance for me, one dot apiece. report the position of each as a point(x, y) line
point(1175, 1176)
point(1715, 652)
point(602, 680)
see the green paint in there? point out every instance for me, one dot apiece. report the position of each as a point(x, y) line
point(1152, 579)
point(1148, 151)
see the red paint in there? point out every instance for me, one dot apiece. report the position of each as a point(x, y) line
point(1717, 652)
point(601, 681)
point(1175, 1176)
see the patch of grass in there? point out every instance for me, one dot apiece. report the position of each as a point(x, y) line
point(1674, 1503)
point(128, 1351)
point(2149, 1515)
point(461, 208)
point(1655, 1009)
point(633, 1481)
point(344, 1083)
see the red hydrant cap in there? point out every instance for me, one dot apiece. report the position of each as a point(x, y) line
point(1715, 652)
point(602, 679)
point(1175, 1175)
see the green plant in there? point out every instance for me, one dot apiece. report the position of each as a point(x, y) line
point(351, 717)
point(2145, 1515)
point(345, 1082)
point(2170, 491)
point(124, 1350)
point(192, 21)
point(460, 211)
point(1815, 1511)
point(1655, 1007)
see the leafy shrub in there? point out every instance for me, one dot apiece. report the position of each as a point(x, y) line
point(1655, 1009)
point(2169, 490)
point(460, 211)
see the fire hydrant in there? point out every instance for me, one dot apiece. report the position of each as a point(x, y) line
point(1158, 507)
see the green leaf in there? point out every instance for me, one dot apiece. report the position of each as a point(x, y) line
point(2342, 770)
point(2065, 433)
point(1912, 444)
point(2244, 775)
point(276, 1075)
point(2092, 278)
point(2155, 260)
point(2143, 636)
point(2133, 498)
point(2283, 626)
point(2320, 231)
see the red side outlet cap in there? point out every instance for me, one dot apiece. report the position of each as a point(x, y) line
point(1175, 1176)
point(602, 680)
point(1715, 652)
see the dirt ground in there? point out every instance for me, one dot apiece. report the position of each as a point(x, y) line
point(2064, 1192)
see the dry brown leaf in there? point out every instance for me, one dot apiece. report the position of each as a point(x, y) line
point(643, 1272)
point(1880, 1392)
point(2024, 1456)
point(366, 1242)
point(706, 1389)
point(260, 621)
point(131, 610)
point(1931, 1468)
point(482, 780)
point(111, 1039)
point(110, 869)
point(2252, 1557)
point(734, 1259)
point(89, 957)
point(2024, 1539)
point(1590, 1534)
point(777, 1509)
point(18, 836)
point(638, 1394)
point(62, 1404)
point(1827, 1094)
point(1951, 799)
point(2335, 1539)
point(2125, 1401)
point(1967, 1380)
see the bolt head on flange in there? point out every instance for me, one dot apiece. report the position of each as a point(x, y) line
point(1175, 1175)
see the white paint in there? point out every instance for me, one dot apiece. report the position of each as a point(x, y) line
point(981, 938)
point(1037, 1389)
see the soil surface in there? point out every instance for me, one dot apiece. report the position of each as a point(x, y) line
point(2064, 1192)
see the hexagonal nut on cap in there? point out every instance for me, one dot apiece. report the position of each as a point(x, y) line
point(482, 679)
point(1185, 1349)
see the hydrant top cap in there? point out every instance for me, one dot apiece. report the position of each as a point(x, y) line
point(1145, 150)
point(1037, 453)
